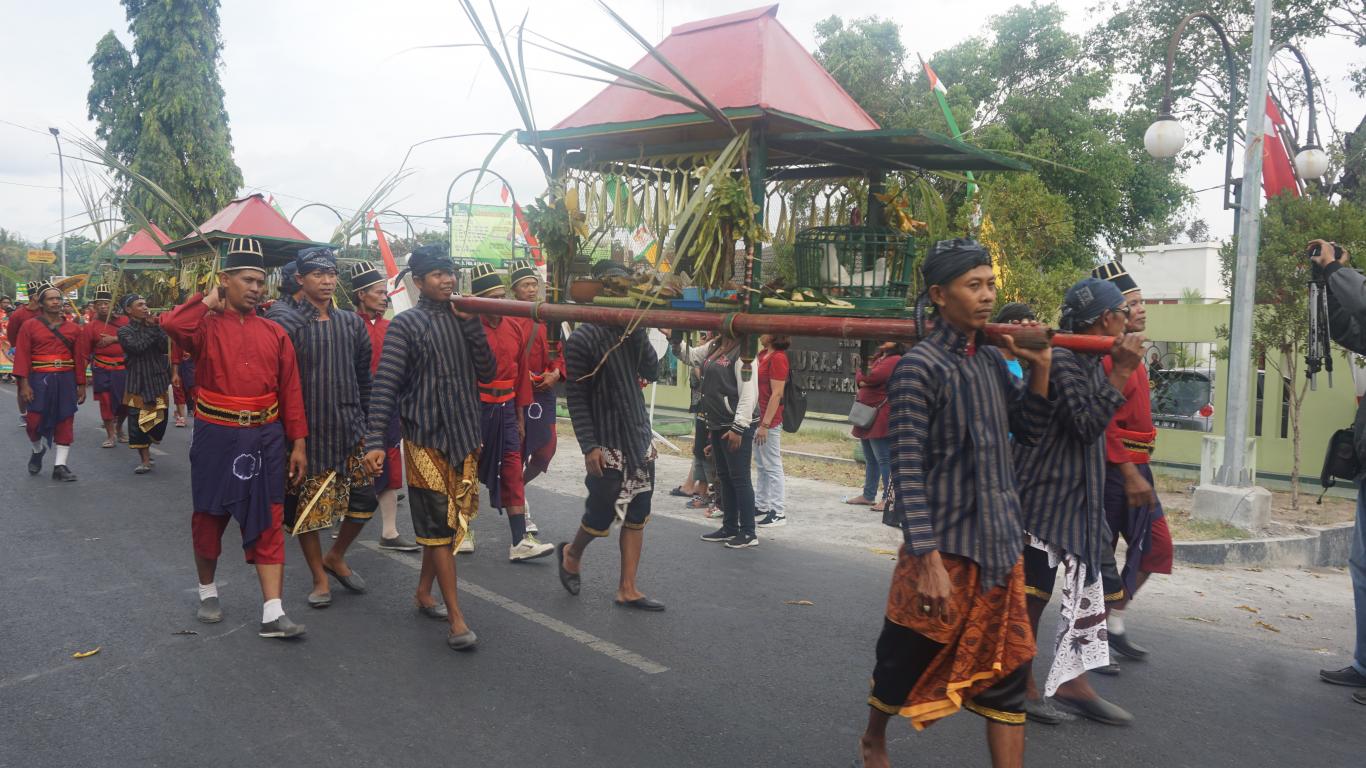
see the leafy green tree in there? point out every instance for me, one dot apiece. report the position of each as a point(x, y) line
point(160, 109)
point(1280, 326)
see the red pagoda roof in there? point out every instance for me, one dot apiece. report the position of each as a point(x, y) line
point(745, 59)
point(145, 243)
point(252, 216)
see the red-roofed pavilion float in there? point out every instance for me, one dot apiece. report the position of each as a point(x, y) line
point(198, 254)
point(628, 158)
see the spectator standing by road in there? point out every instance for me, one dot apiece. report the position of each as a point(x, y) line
point(768, 457)
point(877, 446)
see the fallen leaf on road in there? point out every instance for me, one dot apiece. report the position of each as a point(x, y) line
point(1247, 608)
point(85, 654)
point(185, 632)
point(1267, 627)
point(879, 551)
point(1200, 619)
point(1253, 569)
point(1297, 616)
point(798, 602)
point(1324, 651)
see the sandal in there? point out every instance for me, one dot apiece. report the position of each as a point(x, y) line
point(180, 421)
point(678, 491)
point(107, 444)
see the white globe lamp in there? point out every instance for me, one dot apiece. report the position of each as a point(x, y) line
point(1311, 163)
point(1165, 137)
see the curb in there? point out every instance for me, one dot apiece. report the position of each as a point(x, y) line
point(1319, 547)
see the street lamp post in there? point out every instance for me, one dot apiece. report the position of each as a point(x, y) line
point(61, 185)
point(1165, 137)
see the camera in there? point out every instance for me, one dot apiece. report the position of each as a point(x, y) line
point(1316, 249)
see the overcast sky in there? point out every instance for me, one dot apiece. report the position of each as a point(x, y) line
point(324, 103)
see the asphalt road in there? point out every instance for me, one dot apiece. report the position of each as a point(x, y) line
point(731, 675)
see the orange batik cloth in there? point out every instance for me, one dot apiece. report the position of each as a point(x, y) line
point(986, 636)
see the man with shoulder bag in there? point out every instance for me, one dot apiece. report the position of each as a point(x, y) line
point(1347, 326)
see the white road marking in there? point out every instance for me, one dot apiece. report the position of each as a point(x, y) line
point(605, 647)
point(157, 451)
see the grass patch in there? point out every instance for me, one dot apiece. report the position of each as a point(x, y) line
point(1184, 528)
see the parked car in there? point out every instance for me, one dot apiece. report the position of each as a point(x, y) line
point(1183, 398)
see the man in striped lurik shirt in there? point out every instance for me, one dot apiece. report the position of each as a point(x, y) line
point(433, 360)
point(1062, 483)
point(333, 350)
point(955, 632)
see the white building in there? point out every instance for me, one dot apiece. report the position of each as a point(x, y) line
point(1171, 273)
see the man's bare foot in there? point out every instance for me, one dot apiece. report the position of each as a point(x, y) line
point(626, 596)
point(573, 564)
point(458, 625)
point(425, 601)
point(859, 501)
point(1077, 688)
point(874, 753)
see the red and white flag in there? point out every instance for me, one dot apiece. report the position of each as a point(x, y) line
point(531, 241)
point(399, 300)
point(1278, 175)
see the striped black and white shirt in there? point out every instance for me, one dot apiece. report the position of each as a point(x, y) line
point(1062, 476)
point(334, 369)
point(429, 371)
point(607, 408)
point(149, 369)
point(952, 407)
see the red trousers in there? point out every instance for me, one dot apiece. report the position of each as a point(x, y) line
point(510, 483)
point(110, 410)
point(62, 434)
point(268, 549)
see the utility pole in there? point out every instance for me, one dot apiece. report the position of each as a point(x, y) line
point(61, 184)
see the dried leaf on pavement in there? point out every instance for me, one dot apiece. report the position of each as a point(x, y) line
point(1247, 608)
point(1201, 619)
point(1267, 627)
point(85, 654)
point(798, 602)
point(1297, 616)
point(881, 551)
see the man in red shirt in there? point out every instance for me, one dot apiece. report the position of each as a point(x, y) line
point(502, 425)
point(51, 370)
point(249, 403)
point(100, 345)
point(545, 371)
point(1132, 508)
point(370, 295)
point(17, 317)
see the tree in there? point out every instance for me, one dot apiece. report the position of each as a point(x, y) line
point(1280, 325)
point(159, 109)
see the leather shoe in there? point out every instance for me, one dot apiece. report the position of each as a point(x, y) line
point(62, 474)
point(1359, 697)
point(1120, 644)
point(209, 611)
point(281, 628)
point(642, 604)
point(570, 581)
point(1098, 709)
point(351, 581)
point(1348, 676)
point(1109, 670)
point(1043, 711)
point(465, 641)
point(318, 601)
point(35, 462)
point(434, 611)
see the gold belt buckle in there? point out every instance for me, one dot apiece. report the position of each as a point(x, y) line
point(244, 418)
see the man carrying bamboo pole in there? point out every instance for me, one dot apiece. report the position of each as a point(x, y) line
point(539, 442)
point(108, 364)
point(333, 352)
point(502, 404)
point(955, 633)
point(248, 404)
point(433, 362)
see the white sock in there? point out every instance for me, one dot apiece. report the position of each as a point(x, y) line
point(207, 591)
point(62, 451)
point(1115, 621)
point(388, 513)
point(272, 610)
point(38, 446)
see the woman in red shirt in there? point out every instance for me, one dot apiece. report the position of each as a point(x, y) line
point(877, 447)
point(768, 458)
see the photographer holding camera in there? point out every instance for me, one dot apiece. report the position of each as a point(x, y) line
point(1347, 325)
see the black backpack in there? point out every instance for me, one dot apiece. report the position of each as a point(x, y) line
point(794, 403)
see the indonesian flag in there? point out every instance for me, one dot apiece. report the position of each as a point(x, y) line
point(526, 228)
point(1278, 175)
point(399, 300)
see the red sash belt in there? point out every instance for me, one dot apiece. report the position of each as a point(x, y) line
point(52, 363)
point(1140, 445)
point(108, 363)
point(236, 411)
point(498, 391)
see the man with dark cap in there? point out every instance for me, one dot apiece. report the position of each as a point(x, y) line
point(546, 370)
point(100, 345)
point(613, 429)
point(1132, 507)
point(955, 633)
point(13, 324)
point(434, 361)
point(502, 403)
point(50, 366)
point(149, 375)
point(249, 403)
point(1061, 481)
point(370, 296)
point(333, 353)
